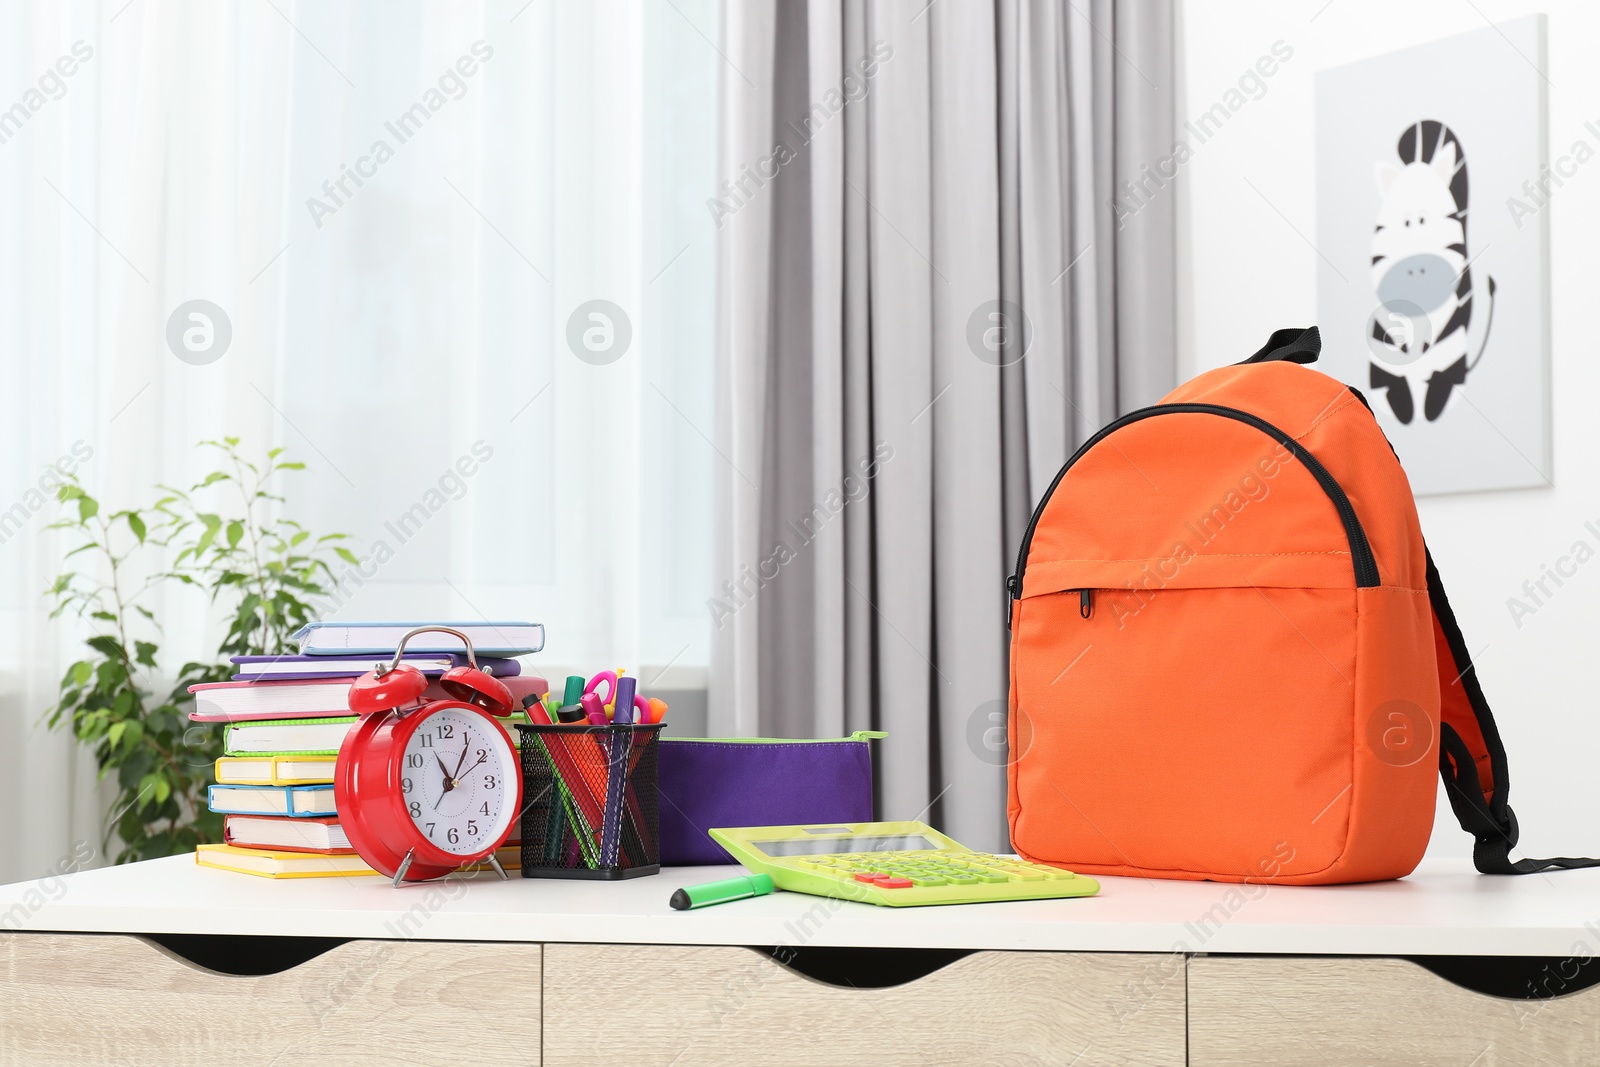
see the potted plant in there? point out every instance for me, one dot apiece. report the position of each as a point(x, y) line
point(264, 567)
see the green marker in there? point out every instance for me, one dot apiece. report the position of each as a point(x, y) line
point(698, 896)
point(574, 691)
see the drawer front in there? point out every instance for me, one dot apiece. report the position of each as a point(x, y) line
point(707, 1006)
point(1287, 1011)
point(92, 999)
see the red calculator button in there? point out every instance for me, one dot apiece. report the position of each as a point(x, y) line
point(869, 877)
point(894, 883)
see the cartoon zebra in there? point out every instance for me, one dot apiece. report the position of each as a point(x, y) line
point(1422, 334)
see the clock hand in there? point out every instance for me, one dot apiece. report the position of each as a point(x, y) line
point(466, 745)
point(449, 779)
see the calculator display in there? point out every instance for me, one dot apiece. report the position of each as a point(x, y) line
point(824, 846)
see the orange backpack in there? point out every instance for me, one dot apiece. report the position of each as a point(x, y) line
point(1231, 656)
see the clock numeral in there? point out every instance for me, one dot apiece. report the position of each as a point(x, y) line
point(405, 785)
point(447, 730)
point(472, 827)
point(416, 810)
point(427, 739)
point(482, 755)
point(430, 827)
point(414, 759)
point(485, 808)
point(453, 837)
point(488, 781)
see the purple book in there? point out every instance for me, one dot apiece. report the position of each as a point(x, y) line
point(287, 668)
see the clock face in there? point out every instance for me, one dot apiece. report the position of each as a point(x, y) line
point(459, 781)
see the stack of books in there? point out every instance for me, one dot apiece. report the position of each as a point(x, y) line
point(285, 718)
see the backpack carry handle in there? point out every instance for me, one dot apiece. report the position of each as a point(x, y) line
point(1294, 345)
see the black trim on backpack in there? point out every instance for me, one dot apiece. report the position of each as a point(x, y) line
point(1361, 558)
point(1492, 823)
point(1294, 345)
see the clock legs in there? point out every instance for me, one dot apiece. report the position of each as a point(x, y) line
point(495, 862)
point(405, 865)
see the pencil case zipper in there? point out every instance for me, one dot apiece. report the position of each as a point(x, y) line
point(859, 735)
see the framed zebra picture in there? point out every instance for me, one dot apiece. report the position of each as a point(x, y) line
point(1432, 294)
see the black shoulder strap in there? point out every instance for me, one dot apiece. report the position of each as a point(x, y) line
point(1472, 759)
point(1295, 345)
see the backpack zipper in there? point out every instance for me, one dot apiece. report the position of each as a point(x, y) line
point(1366, 566)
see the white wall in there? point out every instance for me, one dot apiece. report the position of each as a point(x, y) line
point(1244, 271)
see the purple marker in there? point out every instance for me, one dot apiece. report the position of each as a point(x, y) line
point(622, 710)
point(621, 742)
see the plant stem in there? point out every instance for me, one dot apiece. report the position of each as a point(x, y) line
point(255, 546)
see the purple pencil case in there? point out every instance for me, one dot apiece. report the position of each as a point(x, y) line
point(757, 781)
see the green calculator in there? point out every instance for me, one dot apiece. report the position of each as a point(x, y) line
point(901, 864)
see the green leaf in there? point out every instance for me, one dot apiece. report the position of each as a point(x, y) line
point(145, 653)
point(114, 735)
point(296, 465)
point(81, 672)
point(235, 533)
point(88, 507)
point(346, 555)
point(103, 616)
point(213, 478)
point(106, 646)
point(136, 524)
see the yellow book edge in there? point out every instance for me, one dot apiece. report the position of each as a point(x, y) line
point(510, 857)
point(225, 776)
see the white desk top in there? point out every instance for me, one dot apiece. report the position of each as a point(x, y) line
point(1444, 909)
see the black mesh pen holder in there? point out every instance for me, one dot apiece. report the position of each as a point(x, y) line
point(589, 801)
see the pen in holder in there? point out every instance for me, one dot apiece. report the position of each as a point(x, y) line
point(589, 801)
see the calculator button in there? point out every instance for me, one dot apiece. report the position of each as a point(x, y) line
point(867, 876)
point(991, 876)
point(895, 883)
point(921, 880)
point(1024, 875)
point(962, 879)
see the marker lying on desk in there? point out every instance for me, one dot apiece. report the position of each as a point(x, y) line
point(699, 896)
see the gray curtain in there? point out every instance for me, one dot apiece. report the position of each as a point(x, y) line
point(929, 294)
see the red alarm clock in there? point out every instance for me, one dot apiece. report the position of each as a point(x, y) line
point(424, 787)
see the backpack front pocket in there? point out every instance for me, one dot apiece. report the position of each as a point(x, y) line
point(1203, 731)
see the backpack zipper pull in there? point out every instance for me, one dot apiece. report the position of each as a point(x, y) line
point(1085, 603)
point(1012, 592)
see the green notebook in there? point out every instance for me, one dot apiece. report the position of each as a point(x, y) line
point(305, 737)
point(287, 737)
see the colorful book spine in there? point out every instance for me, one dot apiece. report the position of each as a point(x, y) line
point(290, 800)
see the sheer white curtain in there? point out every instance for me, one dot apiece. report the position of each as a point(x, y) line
point(403, 211)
